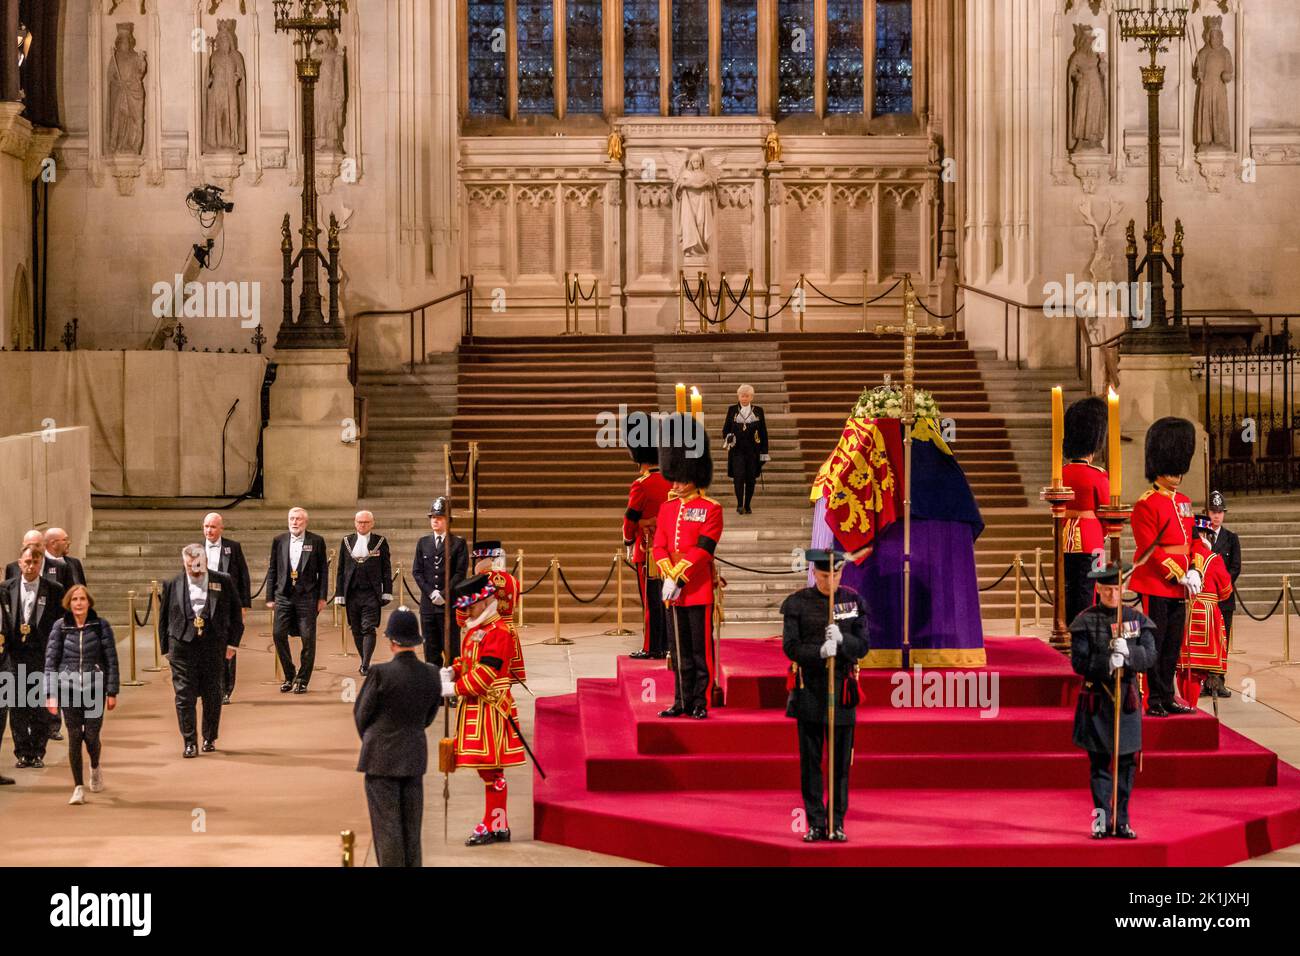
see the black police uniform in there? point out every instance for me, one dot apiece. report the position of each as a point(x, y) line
point(805, 615)
point(430, 574)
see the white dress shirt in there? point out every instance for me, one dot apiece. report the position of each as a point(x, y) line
point(198, 595)
point(213, 549)
point(29, 597)
point(361, 548)
point(295, 550)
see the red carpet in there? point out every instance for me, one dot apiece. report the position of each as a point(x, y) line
point(931, 786)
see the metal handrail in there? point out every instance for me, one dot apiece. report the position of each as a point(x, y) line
point(1007, 306)
point(354, 339)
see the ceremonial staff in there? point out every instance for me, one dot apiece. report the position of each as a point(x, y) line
point(1117, 707)
point(830, 703)
point(910, 330)
point(446, 758)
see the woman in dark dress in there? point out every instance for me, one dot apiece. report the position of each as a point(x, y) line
point(744, 435)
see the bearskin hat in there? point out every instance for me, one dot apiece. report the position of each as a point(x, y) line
point(638, 435)
point(1171, 443)
point(1085, 428)
point(684, 450)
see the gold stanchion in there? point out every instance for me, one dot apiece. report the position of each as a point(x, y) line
point(130, 613)
point(751, 302)
point(1286, 660)
point(618, 630)
point(155, 603)
point(555, 604)
point(803, 297)
point(349, 845)
point(681, 302)
point(703, 293)
point(1016, 572)
point(519, 608)
point(1038, 577)
point(864, 301)
point(722, 301)
point(595, 304)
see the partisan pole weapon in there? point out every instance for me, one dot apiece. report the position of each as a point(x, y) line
point(830, 705)
point(446, 634)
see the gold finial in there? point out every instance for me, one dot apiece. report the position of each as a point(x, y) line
point(1178, 237)
point(1130, 235)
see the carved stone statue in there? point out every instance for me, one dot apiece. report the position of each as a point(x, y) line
point(126, 72)
point(693, 190)
point(614, 147)
point(226, 94)
point(1087, 78)
point(1212, 71)
point(772, 147)
point(331, 96)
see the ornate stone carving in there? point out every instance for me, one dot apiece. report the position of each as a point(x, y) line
point(583, 196)
point(735, 196)
point(851, 196)
point(1086, 71)
point(1212, 71)
point(486, 196)
point(126, 72)
point(694, 185)
point(225, 94)
point(653, 195)
point(331, 96)
point(1101, 260)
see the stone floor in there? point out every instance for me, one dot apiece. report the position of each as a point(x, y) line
point(283, 785)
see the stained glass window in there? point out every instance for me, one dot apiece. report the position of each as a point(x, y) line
point(739, 56)
point(640, 56)
point(536, 43)
point(796, 56)
point(585, 55)
point(893, 56)
point(487, 57)
point(844, 70)
point(690, 90)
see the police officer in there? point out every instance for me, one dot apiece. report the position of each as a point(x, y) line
point(430, 574)
point(397, 702)
point(809, 638)
point(1097, 649)
point(1226, 543)
point(365, 583)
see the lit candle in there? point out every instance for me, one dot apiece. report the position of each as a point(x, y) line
point(681, 397)
point(1112, 435)
point(1058, 428)
point(697, 403)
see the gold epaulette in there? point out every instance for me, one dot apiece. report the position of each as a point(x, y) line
point(1146, 494)
point(704, 497)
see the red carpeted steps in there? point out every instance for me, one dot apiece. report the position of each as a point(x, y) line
point(932, 785)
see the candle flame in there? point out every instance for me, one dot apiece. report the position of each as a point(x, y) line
point(1111, 393)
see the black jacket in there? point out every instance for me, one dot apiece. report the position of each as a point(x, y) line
point(397, 702)
point(751, 441)
point(313, 582)
point(1228, 545)
point(806, 615)
point(429, 572)
point(1094, 716)
point(223, 623)
point(53, 570)
point(47, 610)
point(235, 564)
point(372, 577)
point(85, 650)
point(76, 567)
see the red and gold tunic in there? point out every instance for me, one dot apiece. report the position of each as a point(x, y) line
point(485, 738)
point(644, 499)
point(688, 532)
point(1091, 487)
point(507, 598)
point(1162, 523)
point(1205, 644)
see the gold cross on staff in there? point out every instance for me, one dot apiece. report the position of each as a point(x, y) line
point(909, 330)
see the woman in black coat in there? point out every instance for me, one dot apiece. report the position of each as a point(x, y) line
point(81, 675)
point(744, 435)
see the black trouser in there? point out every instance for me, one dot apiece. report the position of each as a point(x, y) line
point(812, 777)
point(31, 725)
point(1078, 589)
point(694, 640)
point(228, 676)
point(431, 621)
point(1169, 616)
point(198, 673)
point(1099, 762)
point(654, 619)
point(363, 619)
point(396, 812)
point(82, 728)
point(295, 617)
point(744, 490)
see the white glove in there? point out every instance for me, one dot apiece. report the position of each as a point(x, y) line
point(339, 600)
point(1116, 662)
point(829, 648)
point(386, 598)
point(764, 457)
point(833, 634)
point(1120, 647)
point(1192, 581)
point(448, 689)
point(628, 551)
point(447, 675)
point(436, 596)
point(670, 590)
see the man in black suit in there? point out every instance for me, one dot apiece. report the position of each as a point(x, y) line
point(56, 546)
point(35, 603)
point(297, 583)
point(744, 435)
point(6, 667)
point(200, 624)
point(51, 569)
point(397, 702)
point(365, 583)
point(430, 573)
point(1228, 545)
point(225, 555)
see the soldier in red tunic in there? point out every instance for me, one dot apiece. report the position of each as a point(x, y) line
point(1162, 543)
point(487, 724)
point(689, 528)
point(648, 493)
point(1205, 646)
point(1084, 438)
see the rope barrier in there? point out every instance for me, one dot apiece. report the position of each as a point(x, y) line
point(577, 291)
point(1032, 587)
point(147, 614)
point(950, 315)
point(536, 584)
point(594, 597)
point(261, 587)
point(1047, 589)
point(741, 567)
point(1000, 579)
point(409, 593)
point(458, 478)
point(1272, 610)
point(855, 305)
